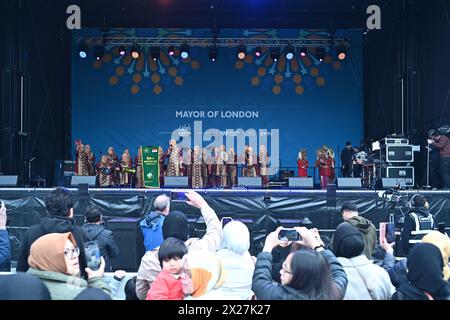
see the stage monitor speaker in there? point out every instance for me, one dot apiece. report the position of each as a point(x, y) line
point(176, 182)
point(8, 181)
point(128, 237)
point(89, 180)
point(389, 183)
point(302, 183)
point(349, 183)
point(250, 182)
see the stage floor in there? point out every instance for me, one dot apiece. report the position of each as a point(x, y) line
point(260, 210)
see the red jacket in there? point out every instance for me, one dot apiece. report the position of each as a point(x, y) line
point(165, 287)
point(302, 168)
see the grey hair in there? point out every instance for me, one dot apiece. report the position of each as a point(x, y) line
point(161, 203)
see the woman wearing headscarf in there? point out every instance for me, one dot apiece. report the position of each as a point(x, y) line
point(237, 261)
point(54, 259)
point(366, 280)
point(206, 274)
point(425, 279)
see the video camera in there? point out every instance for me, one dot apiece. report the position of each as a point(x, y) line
point(393, 197)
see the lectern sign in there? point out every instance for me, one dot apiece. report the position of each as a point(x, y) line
point(150, 166)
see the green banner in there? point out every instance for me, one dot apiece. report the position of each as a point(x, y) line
point(150, 166)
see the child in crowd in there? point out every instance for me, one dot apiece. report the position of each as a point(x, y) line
point(170, 282)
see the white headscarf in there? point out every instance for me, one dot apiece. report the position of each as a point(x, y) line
point(236, 237)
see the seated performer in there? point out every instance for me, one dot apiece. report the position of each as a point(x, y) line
point(302, 163)
point(105, 171)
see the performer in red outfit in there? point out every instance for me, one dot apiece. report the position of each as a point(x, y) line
point(302, 163)
point(324, 162)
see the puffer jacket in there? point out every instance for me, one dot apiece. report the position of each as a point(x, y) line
point(104, 237)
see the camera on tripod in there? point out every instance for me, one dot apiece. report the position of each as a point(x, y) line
point(393, 197)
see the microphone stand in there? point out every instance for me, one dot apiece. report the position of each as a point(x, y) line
point(428, 167)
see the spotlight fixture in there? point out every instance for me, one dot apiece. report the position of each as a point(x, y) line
point(258, 52)
point(320, 53)
point(122, 50)
point(213, 53)
point(303, 52)
point(135, 52)
point(275, 54)
point(289, 52)
point(341, 52)
point(184, 51)
point(155, 52)
point(99, 52)
point(171, 51)
point(83, 50)
point(241, 52)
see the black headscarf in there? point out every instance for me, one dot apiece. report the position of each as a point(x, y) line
point(23, 286)
point(348, 241)
point(175, 225)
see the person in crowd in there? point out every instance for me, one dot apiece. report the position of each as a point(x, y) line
point(90, 159)
point(237, 261)
point(418, 222)
point(139, 172)
point(397, 271)
point(5, 247)
point(442, 142)
point(151, 225)
point(105, 173)
point(346, 159)
point(90, 294)
point(349, 212)
point(176, 225)
point(302, 163)
point(95, 228)
point(168, 284)
point(54, 259)
point(307, 274)
point(206, 275)
point(424, 277)
point(59, 206)
point(22, 286)
point(366, 280)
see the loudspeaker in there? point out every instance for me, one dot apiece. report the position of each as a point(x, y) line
point(303, 183)
point(178, 182)
point(8, 181)
point(89, 180)
point(331, 195)
point(250, 182)
point(128, 236)
point(286, 174)
point(349, 183)
point(389, 183)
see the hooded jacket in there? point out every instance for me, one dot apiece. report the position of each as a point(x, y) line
point(151, 227)
point(5, 251)
point(369, 232)
point(52, 224)
point(104, 237)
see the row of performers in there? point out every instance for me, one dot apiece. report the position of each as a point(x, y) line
point(218, 170)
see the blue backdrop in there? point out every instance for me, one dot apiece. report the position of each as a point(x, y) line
point(126, 103)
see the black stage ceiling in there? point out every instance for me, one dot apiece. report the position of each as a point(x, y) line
point(260, 210)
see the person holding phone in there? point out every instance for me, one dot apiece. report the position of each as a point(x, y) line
point(5, 247)
point(54, 258)
point(312, 273)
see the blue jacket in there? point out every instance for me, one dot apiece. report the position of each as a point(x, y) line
point(151, 227)
point(5, 251)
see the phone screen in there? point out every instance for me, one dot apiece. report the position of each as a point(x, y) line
point(387, 230)
point(178, 196)
point(289, 235)
point(92, 255)
point(226, 220)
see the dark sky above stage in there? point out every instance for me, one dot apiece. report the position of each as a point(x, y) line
point(226, 13)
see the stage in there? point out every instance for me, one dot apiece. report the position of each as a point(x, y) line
point(260, 210)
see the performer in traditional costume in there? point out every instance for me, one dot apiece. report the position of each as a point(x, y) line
point(113, 159)
point(81, 165)
point(197, 166)
point(139, 171)
point(248, 169)
point(90, 160)
point(173, 154)
point(161, 159)
point(302, 163)
point(127, 152)
point(263, 161)
point(125, 171)
point(324, 163)
point(232, 167)
point(105, 172)
point(331, 155)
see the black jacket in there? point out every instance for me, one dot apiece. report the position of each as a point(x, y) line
point(104, 237)
point(265, 289)
point(52, 224)
point(408, 226)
